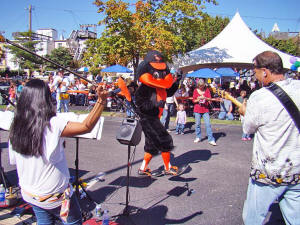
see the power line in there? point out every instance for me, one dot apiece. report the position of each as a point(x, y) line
point(256, 17)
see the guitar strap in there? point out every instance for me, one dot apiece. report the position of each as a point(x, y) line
point(287, 102)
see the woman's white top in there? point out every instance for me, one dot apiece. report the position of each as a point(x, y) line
point(47, 174)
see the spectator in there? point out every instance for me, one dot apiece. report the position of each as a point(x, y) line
point(242, 98)
point(92, 96)
point(81, 97)
point(61, 84)
point(168, 111)
point(225, 110)
point(20, 88)
point(98, 78)
point(130, 105)
point(201, 98)
point(180, 119)
point(12, 93)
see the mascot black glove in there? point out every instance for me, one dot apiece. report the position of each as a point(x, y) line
point(161, 104)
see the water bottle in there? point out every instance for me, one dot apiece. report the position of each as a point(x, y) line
point(105, 218)
point(2, 195)
point(98, 210)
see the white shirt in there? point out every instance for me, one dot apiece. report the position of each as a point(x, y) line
point(57, 81)
point(276, 147)
point(170, 100)
point(47, 174)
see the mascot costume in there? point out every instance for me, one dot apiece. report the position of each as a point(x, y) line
point(155, 84)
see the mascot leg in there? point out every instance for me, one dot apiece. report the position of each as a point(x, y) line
point(169, 169)
point(144, 170)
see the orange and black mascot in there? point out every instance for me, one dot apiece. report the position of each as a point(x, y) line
point(155, 84)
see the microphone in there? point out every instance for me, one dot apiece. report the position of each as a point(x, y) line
point(114, 92)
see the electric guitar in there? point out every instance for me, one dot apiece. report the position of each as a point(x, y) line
point(226, 95)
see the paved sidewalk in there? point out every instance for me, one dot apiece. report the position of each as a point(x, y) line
point(210, 192)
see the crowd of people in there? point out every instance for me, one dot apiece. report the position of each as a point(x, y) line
point(275, 169)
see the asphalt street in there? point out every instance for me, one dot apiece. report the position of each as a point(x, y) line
point(210, 192)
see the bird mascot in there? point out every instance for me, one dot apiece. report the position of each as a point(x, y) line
point(156, 83)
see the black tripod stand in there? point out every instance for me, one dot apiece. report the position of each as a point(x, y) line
point(126, 210)
point(78, 183)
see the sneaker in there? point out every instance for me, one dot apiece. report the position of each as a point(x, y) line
point(173, 171)
point(146, 172)
point(182, 133)
point(212, 143)
point(249, 139)
point(244, 139)
point(197, 140)
point(169, 130)
point(176, 133)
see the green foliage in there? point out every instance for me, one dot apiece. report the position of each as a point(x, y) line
point(199, 31)
point(287, 46)
point(162, 25)
point(61, 56)
point(25, 59)
point(2, 53)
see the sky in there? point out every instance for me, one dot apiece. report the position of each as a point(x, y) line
point(67, 15)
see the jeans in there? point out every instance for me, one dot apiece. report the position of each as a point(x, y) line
point(224, 115)
point(165, 119)
point(261, 196)
point(62, 103)
point(48, 216)
point(207, 126)
point(129, 109)
point(180, 128)
point(244, 135)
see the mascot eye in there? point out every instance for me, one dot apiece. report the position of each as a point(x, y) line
point(156, 75)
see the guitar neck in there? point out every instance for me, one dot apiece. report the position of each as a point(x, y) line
point(228, 96)
point(234, 100)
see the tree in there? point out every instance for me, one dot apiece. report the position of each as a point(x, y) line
point(61, 56)
point(23, 58)
point(199, 31)
point(129, 35)
point(2, 53)
point(288, 46)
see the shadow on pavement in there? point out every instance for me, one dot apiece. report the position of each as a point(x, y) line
point(156, 213)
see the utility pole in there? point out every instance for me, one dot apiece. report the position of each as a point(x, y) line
point(30, 22)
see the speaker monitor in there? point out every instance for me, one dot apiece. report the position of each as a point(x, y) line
point(129, 132)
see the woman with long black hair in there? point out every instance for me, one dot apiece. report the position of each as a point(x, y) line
point(36, 147)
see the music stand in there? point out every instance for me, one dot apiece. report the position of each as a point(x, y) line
point(94, 134)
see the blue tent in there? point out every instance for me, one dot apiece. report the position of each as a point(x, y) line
point(116, 69)
point(203, 73)
point(227, 72)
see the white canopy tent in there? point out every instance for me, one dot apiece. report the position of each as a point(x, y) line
point(235, 46)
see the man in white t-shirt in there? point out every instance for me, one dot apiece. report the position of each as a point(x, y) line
point(61, 84)
point(275, 166)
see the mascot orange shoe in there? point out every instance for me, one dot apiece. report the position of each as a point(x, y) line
point(156, 84)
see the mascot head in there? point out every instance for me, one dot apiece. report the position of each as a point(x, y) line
point(153, 64)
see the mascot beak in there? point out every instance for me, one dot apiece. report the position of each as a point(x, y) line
point(158, 65)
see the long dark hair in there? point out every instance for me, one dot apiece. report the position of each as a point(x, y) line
point(32, 115)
